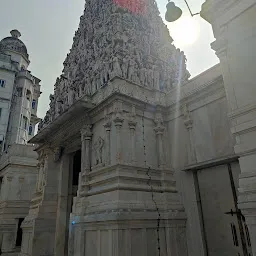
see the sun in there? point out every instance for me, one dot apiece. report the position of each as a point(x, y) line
point(184, 31)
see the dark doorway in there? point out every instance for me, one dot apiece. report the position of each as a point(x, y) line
point(76, 168)
point(74, 171)
point(19, 233)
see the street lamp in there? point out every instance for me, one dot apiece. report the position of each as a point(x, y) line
point(173, 12)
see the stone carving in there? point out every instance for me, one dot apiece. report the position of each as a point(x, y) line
point(58, 153)
point(112, 43)
point(86, 132)
point(187, 117)
point(159, 122)
point(98, 150)
point(41, 180)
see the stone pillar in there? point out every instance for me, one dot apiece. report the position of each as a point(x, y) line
point(233, 25)
point(39, 227)
point(118, 122)
point(132, 126)
point(8, 242)
point(107, 127)
point(86, 137)
point(62, 221)
point(159, 129)
point(8, 230)
point(188, 122)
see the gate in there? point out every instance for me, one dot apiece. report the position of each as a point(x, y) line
point(226, 233)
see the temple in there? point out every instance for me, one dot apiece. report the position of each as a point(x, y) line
point(134, 157)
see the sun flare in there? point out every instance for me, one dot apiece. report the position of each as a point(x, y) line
point(184, 31)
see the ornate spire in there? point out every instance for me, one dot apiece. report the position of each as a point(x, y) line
point(118, 38)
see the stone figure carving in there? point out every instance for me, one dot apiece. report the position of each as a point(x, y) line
point(41, 180)
point(57, 153)
point(131, 69)
point(159, 120)
point(156, 76)
point(125, 65)
point(71, 96)
point(116, 69)
point(117, 42)
point(143, 75)
point(98, 150)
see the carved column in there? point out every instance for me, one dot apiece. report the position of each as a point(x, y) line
point(159, 129)
point(132, 126)
point(188, 122)
point(118, 121)
point(86, 137)
point(107, 126)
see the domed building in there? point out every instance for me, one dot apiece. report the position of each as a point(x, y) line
point(14, 44)
point(19, 94)
point(17, 123)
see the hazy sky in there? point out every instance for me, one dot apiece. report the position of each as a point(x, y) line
point(48, 26)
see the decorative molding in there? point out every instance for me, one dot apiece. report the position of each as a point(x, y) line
point(86, 132)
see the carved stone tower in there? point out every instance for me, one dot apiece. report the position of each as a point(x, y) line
point(110, 105)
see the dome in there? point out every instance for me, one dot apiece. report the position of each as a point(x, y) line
point(13, 43)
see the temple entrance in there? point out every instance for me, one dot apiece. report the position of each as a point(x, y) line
point(75, 173)
point(225, 228)
point(74, 170)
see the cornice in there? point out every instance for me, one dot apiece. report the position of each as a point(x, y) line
point(242, 111)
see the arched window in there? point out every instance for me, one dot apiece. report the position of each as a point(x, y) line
point(34, 104)
point(28, 94)
point(30, 130)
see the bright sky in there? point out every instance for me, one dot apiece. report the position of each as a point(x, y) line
point(48, 26)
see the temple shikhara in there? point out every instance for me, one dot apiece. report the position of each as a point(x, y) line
point(133, 158)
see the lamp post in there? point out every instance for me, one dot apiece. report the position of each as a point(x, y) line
point(173, 12)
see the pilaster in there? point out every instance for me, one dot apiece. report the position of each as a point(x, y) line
point(107, 126)
point(39, 226)
point(86, 138)
point(132, 123)
point(188, 122)
point(159, 130)
point(118, 122)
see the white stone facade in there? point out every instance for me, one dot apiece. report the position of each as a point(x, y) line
point(19, 93)
point(18, 173)
point(233, 24)
point(146, 162)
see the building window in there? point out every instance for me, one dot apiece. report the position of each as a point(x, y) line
point(2, 83)
point(30, 130)
point(1, 142)
point(34, 104)
point(28, 94)
point(25, 123)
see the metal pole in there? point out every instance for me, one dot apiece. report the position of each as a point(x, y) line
point(190, 9)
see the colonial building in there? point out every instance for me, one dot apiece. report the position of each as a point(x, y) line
point(19, 94)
